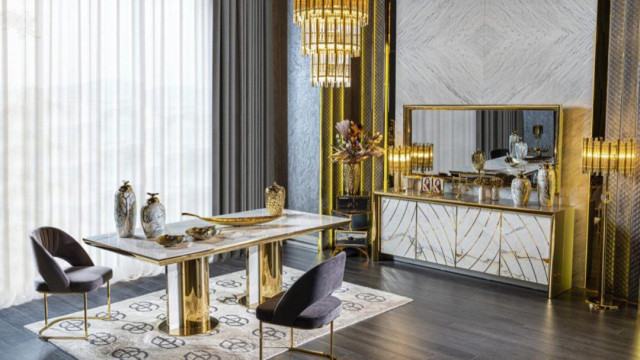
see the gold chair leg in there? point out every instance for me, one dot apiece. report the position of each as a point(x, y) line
point(331, 341)
point(85, 317)
point(260, 340)
point(291, 340)
point(313, 352)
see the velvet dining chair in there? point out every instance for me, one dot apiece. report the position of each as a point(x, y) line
point(80, 278)
point(308, 304)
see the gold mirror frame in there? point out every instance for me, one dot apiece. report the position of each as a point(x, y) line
point(557, 151)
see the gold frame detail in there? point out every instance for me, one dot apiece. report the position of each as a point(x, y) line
point(48, 325)
point(301, 350)
point(406, 129)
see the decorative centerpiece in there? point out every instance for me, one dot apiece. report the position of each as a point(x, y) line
point(274, 197)
point(513, 139)
point(522, 149)
point(484, 187)
point(496, 183)
point(478, 159)
point(125, 210)
point(153, 217)
point(520, 190)
point(546, 185)
point(353, 146)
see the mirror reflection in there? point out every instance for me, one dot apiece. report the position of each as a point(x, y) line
point(512, 140)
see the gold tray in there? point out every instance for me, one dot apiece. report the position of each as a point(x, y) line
point(203, 233)
point(237, 221)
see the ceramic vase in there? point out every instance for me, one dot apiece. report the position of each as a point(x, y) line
point(125, 210)
point(520, 190)
point(274, 198)
point(522, 149)
point(478, 159)
point(546, 185)
point(351, 179)
point(513, 139)
point(153, 217)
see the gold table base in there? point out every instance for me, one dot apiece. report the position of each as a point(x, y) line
point(188, 299)
point(264, 273)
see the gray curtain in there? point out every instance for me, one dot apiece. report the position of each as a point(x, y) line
point(494, 127)
point(249, 101)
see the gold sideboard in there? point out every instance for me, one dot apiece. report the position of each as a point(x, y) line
point(530, 246)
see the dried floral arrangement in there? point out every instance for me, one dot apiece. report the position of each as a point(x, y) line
point(354, 145)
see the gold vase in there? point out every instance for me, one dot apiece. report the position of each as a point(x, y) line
point(351, 178)
point(274, 198)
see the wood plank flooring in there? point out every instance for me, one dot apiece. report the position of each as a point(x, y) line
point(452, 317)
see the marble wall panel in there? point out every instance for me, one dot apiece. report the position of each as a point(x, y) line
point(505, 52)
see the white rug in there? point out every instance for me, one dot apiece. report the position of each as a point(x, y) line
point(133, 331)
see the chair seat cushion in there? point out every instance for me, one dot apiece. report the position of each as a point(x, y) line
point(81, 278)
point(315, 316)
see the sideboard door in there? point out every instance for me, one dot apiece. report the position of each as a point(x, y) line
point(398, 224)
point(525, 249)
point(436, 227)
point(478, 240)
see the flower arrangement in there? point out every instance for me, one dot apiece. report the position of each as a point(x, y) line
point(353, 145)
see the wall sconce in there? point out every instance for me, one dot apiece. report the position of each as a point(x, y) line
point(421, 158)
point(399, 162)
point(604, 157)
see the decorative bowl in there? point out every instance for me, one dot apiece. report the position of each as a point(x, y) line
point(203, 233)
point(170, 240)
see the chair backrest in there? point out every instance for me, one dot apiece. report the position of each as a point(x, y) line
point(496, 153)
point(49, 243)
point(315, 285)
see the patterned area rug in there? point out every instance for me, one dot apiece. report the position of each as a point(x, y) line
point(133, 331)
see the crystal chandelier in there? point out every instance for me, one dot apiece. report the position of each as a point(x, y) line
point(331, 35)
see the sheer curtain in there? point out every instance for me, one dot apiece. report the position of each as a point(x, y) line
point(92, 93)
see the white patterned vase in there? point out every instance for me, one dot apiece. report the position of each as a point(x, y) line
point(520, 190)
point(124, 212)
point(546, 185)
point(153, 217)
point(522, 149)
point(513, 139)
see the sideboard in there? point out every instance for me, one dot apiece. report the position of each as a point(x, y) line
point(529, 246)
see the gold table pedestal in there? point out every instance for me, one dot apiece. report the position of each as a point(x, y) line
point(188, 299)
point(264, 273)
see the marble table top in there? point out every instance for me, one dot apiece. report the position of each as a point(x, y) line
point(292, 223)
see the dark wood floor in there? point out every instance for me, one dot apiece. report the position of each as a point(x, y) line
point(452, 317)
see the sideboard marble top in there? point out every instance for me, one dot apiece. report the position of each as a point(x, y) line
point(470, 200)
point(292, 223)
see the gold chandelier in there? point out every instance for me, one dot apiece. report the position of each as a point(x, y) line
point(331, 35)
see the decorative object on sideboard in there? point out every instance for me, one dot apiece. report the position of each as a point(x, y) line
point(331, 36)
point(520, 190)
point(513, 139)
point(274, 197)
point(522, 149)
point(537, 134)
point(604, 157)
point(546, 185)
point(353, 146)
point(478, 159)
point(236, 221)
point(153, 216)
point(125, 210)
point(496, 184)
point(484, 187)
point(459, 185)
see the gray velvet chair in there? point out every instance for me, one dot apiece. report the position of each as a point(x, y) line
point(308, 304)
point(82, 277)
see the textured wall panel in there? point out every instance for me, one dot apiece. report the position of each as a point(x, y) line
point(505, 52)
point(303, 127)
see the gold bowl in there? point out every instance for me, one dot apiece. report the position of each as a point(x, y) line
point(203, 233)
point(170, 240)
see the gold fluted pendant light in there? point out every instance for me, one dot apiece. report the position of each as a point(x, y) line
point(331, 35)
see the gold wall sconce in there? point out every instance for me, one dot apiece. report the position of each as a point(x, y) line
point(407, 160)
point(605, 157)
point(421, 158)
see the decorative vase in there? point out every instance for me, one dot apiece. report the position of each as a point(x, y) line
point(520, 190)
point(513, 139)
point(351, 178)
point(125, 210)
point(478, 159)
point(484, 193)
point(153, 217)
point(522, 149)
point(546, 185)
point(274, 198)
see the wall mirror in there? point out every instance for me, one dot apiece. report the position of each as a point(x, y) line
point(514, 139)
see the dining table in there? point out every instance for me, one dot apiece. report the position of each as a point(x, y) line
point(187, 263)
